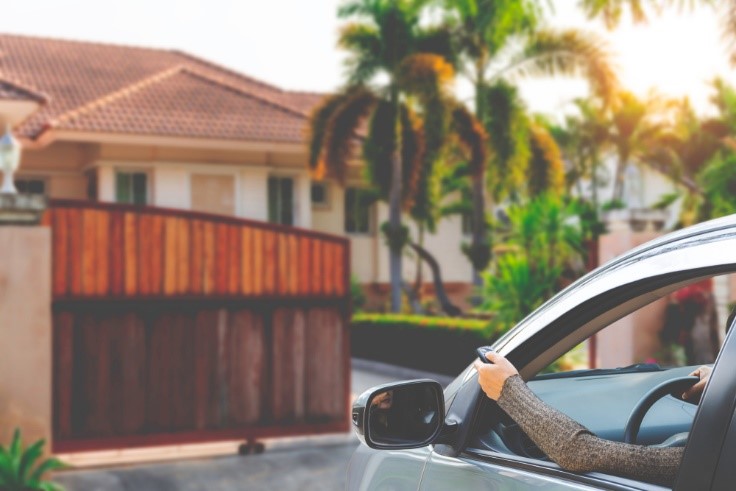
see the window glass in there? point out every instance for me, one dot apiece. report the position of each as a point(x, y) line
point(319, 194)
point(131, 188)
point(281, 200)
point(358, 211)
point(31, 186)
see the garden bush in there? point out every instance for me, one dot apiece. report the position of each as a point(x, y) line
point(435, 344)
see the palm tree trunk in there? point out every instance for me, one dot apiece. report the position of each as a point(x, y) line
point(479, 221)
point(618, 183)
point(394, 220)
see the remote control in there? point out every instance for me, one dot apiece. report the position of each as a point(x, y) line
point(482, 353)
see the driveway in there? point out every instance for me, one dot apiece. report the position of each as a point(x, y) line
point(313, 463)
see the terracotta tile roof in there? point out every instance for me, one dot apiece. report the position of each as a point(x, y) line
point(13, 91)
point(183, 102)
point(103, 87)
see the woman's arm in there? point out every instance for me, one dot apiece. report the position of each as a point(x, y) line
point(572, 446)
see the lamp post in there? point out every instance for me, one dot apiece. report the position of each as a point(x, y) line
point(9, 160)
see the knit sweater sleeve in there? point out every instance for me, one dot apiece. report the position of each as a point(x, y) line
point(574, 448)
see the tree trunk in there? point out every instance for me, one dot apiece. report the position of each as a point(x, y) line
point(447, 306)
point(394, 220)
point(618, 183)
point(479, 237)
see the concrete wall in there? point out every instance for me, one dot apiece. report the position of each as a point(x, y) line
point(25, 330)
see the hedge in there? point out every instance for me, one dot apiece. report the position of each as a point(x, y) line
point(435, 344)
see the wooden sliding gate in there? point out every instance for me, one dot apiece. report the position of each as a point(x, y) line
point(174, 327)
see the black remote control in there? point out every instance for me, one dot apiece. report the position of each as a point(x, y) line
point(482, 353)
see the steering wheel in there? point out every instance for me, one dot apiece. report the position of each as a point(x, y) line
point(675, 386)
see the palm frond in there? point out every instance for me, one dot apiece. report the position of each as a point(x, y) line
point(546, 172)
point(363, 41)
point(506, 124)
point(424, 74)
point(341, 127)
point(380, 145)
point(318, 125)
point(570, 52)
point(472, 136)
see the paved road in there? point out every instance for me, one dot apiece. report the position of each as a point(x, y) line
point(305, 464)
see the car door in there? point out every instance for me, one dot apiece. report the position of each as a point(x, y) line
point(634, 280)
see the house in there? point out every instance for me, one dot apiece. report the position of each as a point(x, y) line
point(164, 128)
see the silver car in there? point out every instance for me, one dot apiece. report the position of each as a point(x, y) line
point(458, 439)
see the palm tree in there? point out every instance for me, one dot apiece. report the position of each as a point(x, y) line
point(635, 129)
point(498, 41)
point(610, 11)
point(396, 102)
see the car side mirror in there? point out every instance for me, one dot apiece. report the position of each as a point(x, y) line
point(400, 416)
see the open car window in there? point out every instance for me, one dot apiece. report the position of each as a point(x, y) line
point(599, 380)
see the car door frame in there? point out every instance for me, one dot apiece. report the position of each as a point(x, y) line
point(647, 273)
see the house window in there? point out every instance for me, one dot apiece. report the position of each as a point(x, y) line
point(131, 188)
point(281, 200)
point(358, 206)
point(320, 195)
point(30, 186)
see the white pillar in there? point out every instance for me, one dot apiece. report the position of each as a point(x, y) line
point(106, 184)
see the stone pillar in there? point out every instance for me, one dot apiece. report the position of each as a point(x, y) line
point(25, 331)
point(633, 338)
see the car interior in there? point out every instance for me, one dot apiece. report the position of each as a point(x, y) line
point(602, 400)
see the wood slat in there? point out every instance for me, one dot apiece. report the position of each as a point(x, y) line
point(283, 266)
point(197, 257)
point(89, 251)
point(234, 253)
point(270, 259)
point(246, 361)
point(246, 261)
point(328, 263)
point(208, 266)
point(325, 390)
point(171, 255)
point(339, 269)
point(288, 365)
point(103, 248)
point(183, 260)
point(117, 254)
point(157, 251)
point(131, 246)
point(221, 256)
point(294, 265)
point(60, 237)
point(304, 265)
point(259, 270)
point(316, 269)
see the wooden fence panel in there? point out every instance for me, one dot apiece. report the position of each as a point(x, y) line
point(174, 326)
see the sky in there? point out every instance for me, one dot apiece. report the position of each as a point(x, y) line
point(291, 43)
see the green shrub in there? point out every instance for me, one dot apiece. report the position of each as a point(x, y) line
point(434, 344)
point(17, 464)
point(483, 328)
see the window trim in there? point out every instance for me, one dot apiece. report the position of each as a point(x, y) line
point(371, 232)
point(294, 198)
point(134, 170)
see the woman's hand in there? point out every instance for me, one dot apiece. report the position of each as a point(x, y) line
point(491, 376)
point(696, 390)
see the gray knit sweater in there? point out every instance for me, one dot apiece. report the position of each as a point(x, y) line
point(574, 448)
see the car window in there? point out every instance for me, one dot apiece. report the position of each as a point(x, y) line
point(599, 381)
point(684, 328)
